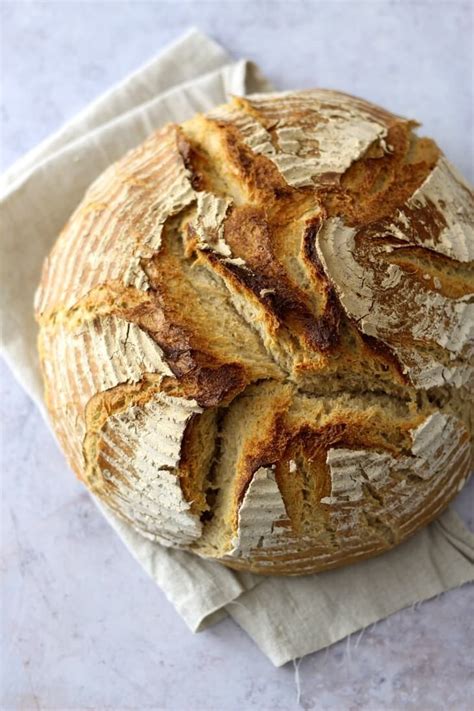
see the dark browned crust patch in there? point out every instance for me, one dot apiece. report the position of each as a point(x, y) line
point(366, 196)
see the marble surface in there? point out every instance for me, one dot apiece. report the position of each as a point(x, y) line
point(82, 625)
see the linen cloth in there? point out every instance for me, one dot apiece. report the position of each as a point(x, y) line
point(287, 617)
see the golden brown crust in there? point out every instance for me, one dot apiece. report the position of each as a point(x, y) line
point(317, 558)
point(254, 333)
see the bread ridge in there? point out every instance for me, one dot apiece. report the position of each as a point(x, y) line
point(304, 328)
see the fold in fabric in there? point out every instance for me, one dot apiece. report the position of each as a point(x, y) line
point(191, 56)
point(287, 617)
point(318, 610)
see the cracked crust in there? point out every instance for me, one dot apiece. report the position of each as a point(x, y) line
point(256, 333)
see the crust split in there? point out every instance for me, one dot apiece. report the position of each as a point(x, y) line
point(256, 333)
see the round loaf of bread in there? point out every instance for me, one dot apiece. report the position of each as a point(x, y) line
point(256, 333)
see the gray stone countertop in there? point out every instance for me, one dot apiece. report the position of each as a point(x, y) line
point(82, 625)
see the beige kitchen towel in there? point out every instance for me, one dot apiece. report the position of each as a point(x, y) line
point(287, 617)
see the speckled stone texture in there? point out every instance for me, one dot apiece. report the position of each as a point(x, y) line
point(82, 625)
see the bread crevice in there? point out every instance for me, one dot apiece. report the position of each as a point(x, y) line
point(207, 356)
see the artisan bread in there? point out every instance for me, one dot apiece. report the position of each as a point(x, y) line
point(256, 333)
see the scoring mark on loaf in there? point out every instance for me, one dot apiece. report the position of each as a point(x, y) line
point(119, 223)
point(109, 351)
point(312, 138)
point(262, 514)
point(372, 292)
point(388, 302)
point(439, 215)
point(332, 138)
point(208, 224)
point(426, 372)
point(351, 469)
point(139, 452)
point(101, 354)
point(376, 500)
point(434, 443)
point(115, 351)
